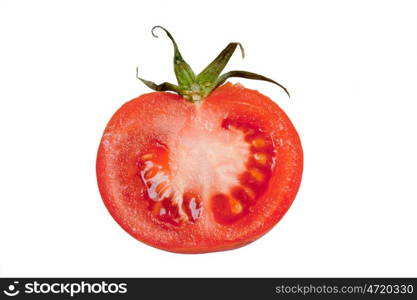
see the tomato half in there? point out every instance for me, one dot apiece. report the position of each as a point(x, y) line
point(200, 176)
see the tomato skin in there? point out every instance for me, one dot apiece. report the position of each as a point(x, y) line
point(160, 115)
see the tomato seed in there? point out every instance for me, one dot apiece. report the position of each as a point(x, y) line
point(147, 156)
point(161, 187)
point(235, 206)
point(257, 174)
point(151, 173)
point(260, 158)
point(258, 142)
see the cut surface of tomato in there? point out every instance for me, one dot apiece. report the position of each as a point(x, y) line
point(202, 177)
point(210, 168)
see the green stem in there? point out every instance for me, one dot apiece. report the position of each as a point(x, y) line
point(196, 88)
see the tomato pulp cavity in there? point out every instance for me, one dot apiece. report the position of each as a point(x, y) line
point(210, 169)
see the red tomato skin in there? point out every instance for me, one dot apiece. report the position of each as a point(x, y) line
point(135, 123)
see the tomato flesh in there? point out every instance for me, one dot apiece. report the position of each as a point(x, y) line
point(203, 177)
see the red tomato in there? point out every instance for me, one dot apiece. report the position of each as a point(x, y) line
point(199, 176)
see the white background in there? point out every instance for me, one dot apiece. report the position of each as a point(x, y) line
point(351, 66)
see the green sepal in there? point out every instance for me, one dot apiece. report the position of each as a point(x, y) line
point(247, 75)
point(195, 88)
point(165, 86)
point(208, 77)
point(183, 72)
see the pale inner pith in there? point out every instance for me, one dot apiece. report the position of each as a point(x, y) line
point(208, 161)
